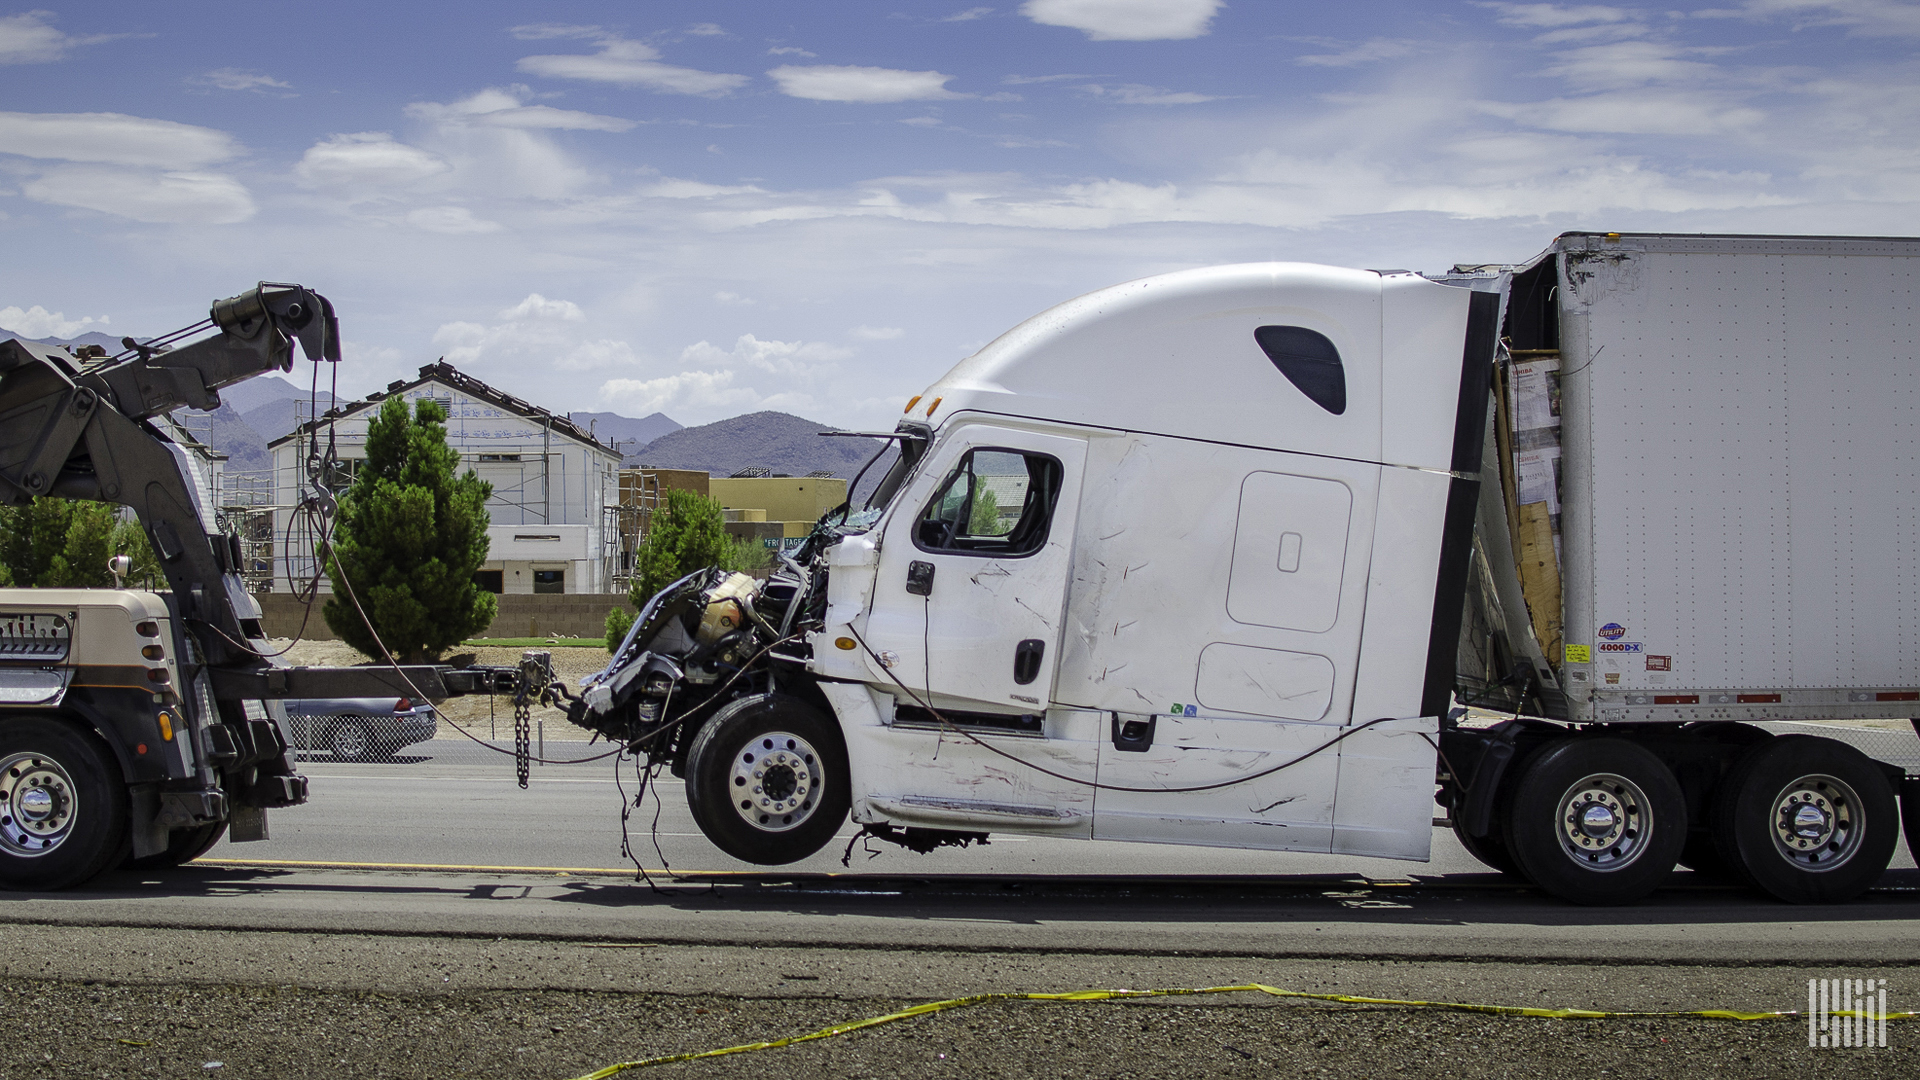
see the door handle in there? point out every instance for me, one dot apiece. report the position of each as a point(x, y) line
point(1133, 735)
point(1026, 660)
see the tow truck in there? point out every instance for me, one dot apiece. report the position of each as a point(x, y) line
point(141, 726)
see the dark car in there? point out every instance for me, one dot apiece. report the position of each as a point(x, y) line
point(357, 729)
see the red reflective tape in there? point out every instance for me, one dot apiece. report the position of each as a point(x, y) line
point(1897, 695)
point(1758, 699)
point(1676, 699)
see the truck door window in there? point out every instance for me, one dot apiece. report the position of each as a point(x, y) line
point(994, 502)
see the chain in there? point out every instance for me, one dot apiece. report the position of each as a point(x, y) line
point(522, 735)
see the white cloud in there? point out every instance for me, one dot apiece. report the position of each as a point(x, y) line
point(536, 306)
point(731, 298)
point(969, 15)
point(861, 85)
point(38, 322)
point(790, 50)
point(670, 188)
point(238, 79)
point(1630, 63)
point(1028, 80)
point(1364, 53)
point(1135, 94)
point(1126, 20)
point(631, 63)
point(30, 39)
point(367, 159)
point(113, 138)
point(1550, 16)
point(1863, 18)
point(705, 392)
point(503, 108)
point(450, 221)
point(1633, 113)
point(161, 198)
point(707, 29)
point(550, 31)
point(794, 359)
point(535, 331)
point(877, 333)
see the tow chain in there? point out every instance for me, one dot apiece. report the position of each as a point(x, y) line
point(535, 682)
point(522, 735)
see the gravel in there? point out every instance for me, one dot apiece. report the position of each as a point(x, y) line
point(77, 1029)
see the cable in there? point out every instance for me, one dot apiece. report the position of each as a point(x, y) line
point(1094, 784)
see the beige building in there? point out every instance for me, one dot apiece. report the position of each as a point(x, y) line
point(779, 511)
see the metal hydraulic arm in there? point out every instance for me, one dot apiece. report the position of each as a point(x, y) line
point(82, 428)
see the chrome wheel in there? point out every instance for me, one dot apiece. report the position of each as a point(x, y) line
point(1814, 822)
point(775, 781)
point(37, 805)
point(1604, 822)
point(350, 741)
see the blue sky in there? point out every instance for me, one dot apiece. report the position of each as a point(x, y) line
point(712, 208)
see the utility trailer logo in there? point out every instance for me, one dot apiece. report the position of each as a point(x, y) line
point(1620, 646)
point(1846, 1012)
point(1184, 710)
point(1613, 631)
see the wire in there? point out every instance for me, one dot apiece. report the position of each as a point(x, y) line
point(1094, 784)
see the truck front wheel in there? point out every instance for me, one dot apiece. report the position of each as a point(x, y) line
point(1807, 820)
point(63, 806)
point(1596, 821)
point(767, 780)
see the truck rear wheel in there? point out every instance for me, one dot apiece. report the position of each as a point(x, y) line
point(1596, 821)
point(1807, 820)
point(63, 806)
point(767, 780)
point(1490, 849)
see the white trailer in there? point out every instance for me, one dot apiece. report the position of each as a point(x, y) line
point(1204, 559)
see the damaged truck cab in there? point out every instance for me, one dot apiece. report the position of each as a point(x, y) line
point(1132, 557)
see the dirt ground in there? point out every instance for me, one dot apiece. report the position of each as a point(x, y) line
point(474, 712)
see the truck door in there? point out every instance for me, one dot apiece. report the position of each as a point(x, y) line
point(969, 598)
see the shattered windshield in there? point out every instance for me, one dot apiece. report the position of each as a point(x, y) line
point(879, 480)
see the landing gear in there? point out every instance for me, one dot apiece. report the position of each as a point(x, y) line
point(1806, 820)
point(767, 780)
point(63, 806)
point(1596, 821)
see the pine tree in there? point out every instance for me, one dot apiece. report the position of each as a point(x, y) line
point(687, 534)
point(65, 544)
point(407, 540)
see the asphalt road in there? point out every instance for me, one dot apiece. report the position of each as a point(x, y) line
point(488, 931)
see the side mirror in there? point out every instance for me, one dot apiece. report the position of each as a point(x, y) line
point(118, 567)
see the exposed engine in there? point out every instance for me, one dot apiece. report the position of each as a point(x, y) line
point(711, 636)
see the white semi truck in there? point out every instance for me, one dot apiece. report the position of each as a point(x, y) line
point(1208, 558)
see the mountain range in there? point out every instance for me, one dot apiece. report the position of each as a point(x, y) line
point(261, 409)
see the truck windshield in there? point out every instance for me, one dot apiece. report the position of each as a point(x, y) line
point(896, 463)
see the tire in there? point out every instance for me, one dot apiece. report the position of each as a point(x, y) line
point(1807, 820)
point(63, 805)
point(1596, 821)
point(351, 739)
point(767, 780)
point(1490, 849)
point(183, 846)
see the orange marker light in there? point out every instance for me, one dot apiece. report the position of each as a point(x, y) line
point(843, 643)
point(911, 404)
point(166, 726)
point(935, 405)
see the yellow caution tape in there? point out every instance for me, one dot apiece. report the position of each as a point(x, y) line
point(1111, 995)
